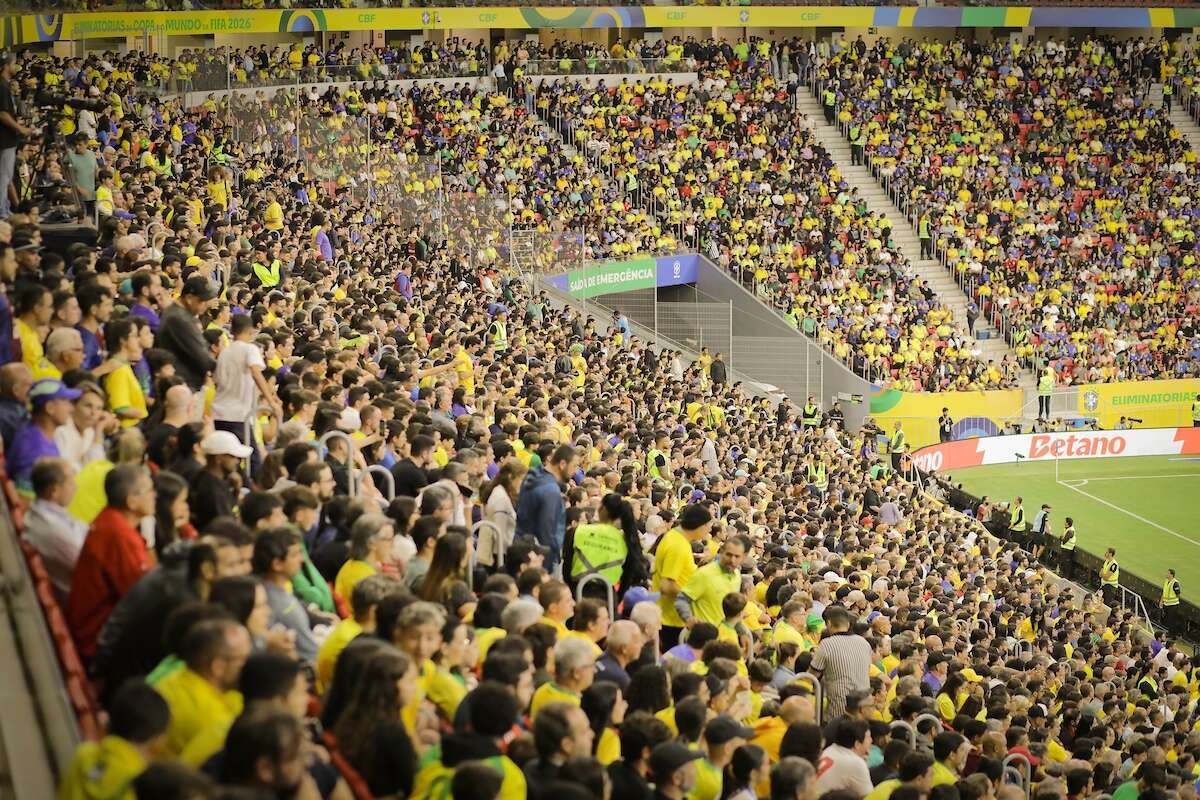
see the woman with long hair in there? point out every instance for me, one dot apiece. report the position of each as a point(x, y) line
point(748, 768)
point(370, 733)
point(171, 513)
point(616, 521)
point(605, 709)
point(499, 498)
point(347, 672)
point(445, 582)
point(649, 690)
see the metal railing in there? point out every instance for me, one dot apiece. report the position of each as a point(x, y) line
point(610, 594)
point(602, 65)
point(324, 441)
point(818, 693)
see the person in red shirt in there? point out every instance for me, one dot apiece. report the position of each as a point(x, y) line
point(113, 557)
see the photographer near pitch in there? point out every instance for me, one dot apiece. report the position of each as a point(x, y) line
point(11, 131)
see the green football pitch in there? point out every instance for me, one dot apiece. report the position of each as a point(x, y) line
point(1148, 507)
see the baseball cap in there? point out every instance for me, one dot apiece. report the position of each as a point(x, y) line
point(48, 389)
point(670, 756)
point(224, 443)
point(722, 728)
point(201, 287)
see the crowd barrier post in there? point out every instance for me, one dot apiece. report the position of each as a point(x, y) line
point(938, 726)
point(608, 589)
point(1018, 766)
point(910, 733)
point(388, 480)
point(818, 693)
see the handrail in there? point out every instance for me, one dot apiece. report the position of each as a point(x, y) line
point(1017, 764)
point(389, 480)
point(608, 588)
point(324, 443)
point(818, 694)
point(910, 733)
point(938, 725)
point(1021, 648)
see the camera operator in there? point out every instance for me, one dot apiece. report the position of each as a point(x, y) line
point(11, 131)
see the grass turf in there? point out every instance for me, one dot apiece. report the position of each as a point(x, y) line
point(1148, 507)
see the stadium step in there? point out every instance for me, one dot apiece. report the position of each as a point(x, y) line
point(1183, 121)
point(904, 237)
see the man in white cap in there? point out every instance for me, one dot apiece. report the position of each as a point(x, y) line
point(214, 489)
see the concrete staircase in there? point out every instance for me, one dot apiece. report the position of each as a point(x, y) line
point(904, 235)
point(1183, 121)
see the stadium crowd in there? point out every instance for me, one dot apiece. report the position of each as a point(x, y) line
point(258, 427)
point(1050, 185)
point(732, 166)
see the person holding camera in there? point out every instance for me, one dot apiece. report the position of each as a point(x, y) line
point(12, 131)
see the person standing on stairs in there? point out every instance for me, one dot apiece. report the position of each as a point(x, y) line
point(829, 102)
point(858, 142)
point(926, 237)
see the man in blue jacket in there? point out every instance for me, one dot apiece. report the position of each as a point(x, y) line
point(541, 510)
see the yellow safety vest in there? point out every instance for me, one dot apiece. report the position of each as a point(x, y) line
point(1170, 594)
point(817, 476)
point(652, 462)
point(599, 549)
point(1196, 410)
point(1018, 519)
point(1068, 540)
point(899, 442)
point(499, 336)
point(810, 415)
point(268, 276)
point(1110, 566)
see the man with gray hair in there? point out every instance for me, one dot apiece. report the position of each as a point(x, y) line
point(519, 615)
point(793, 778)
point(114, 554)
point(622, 647)
point(64, 350)
point(574, 671)
point(56, 535)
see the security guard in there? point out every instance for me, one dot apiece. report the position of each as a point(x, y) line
point(268, 275)
point(898, 447)
point(658, 459)
point(1066, 556)
point(812, 413)
point(830, 100)
point(1045, 388)
point(1016, 523)
point(1196, 412)
point(1169, 603)
point(858, 143)
point(499, 331)
point(1110, 576)
point(818, 476)
point(600, 547)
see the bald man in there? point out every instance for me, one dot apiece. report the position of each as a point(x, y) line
point(769, 731)
point(179, 401)
point(622, 647)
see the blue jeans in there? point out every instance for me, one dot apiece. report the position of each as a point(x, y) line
point(8, 163)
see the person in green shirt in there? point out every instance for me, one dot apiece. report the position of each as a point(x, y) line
point(701, 597)
point(722, 735)
point(1149, 776)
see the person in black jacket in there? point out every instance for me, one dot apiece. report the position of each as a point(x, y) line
point(181, 333)
point(131, 641)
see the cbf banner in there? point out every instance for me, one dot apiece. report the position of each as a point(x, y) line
point(627, 276)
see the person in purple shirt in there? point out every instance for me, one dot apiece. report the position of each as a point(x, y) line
point(320, 226)
point(52, 404)
point(147, 288)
